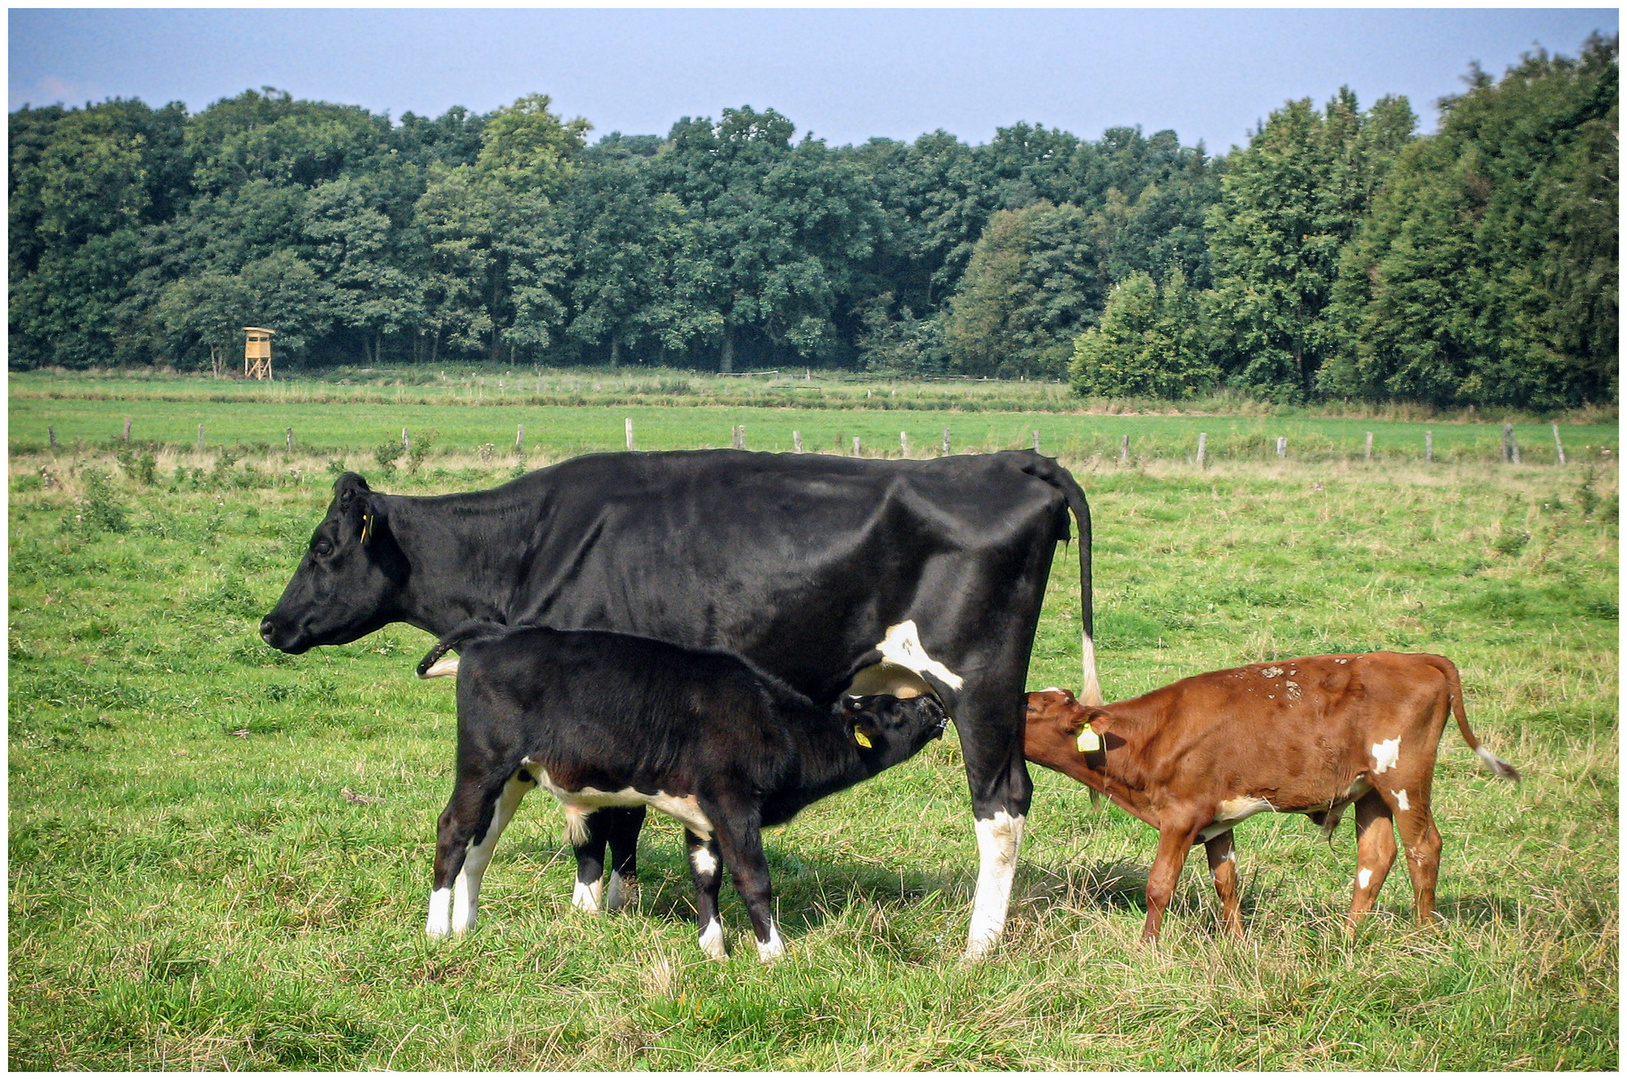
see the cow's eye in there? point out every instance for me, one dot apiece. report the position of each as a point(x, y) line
point(322, 548)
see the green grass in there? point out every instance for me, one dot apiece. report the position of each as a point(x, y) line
point(190, 887)
point(578, 413)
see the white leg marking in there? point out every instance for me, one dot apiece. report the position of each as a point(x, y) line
point(1090, 691)
point(704, 862)
point(586, 897)
point(622, 892)
point(1363, 877)
point(902, 646)
point(1385, 754)
point(711, 941)
point(466, 889)
point(440, 913)
point(773, 948)
point(998, 841)
point(1401, 800)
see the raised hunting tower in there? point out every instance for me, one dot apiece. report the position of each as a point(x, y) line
point(257, 353)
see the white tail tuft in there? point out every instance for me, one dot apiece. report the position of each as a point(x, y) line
point(1090, 691)
point(1496, 764)
point(576, 826)
point(446, 665)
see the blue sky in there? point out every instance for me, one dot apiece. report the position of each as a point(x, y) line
point(844, 74)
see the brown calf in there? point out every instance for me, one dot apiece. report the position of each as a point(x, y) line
point(1307, 736)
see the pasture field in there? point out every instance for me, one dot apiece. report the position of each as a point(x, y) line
point(566, 413)
point(219, 856)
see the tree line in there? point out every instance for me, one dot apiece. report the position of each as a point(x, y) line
point(1339, 254)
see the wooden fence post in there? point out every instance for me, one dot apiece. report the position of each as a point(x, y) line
point(1124, 450)
point(1036, 442)
point(1429, 445)
point(855, 446)
point(1282, 446)
point(519, 439)
point(1369, 454)
point(796, 441)
point(1203, 442)
point(290, 435)
point(406, 444)
point(200, 438)
point(629, 425)
point(904, 443)
point(127, 429)
point(946, 441)
point(1559, 447)
point(50, 429)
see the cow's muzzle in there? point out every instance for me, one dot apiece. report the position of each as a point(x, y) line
point(279, 637)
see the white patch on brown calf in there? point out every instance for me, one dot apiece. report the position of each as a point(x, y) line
point(1363, 877)
point(1401, 802)
point(1386, 754)
point(1230, 811)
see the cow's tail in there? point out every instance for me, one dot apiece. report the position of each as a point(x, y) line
point(1053, 473)
point(1455, 687)
point(434, 665)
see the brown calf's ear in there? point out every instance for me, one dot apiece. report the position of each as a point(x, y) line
point(1092, 724)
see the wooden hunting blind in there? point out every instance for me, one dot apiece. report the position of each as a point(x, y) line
point(257, 353)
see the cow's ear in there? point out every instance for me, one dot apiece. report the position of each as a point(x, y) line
point(865, 731)
point(348, 488)
point(358, 507)
point(1098, 720)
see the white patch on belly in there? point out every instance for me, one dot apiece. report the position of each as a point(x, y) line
point(1401, 802)
point(902, 646)
point(890, 679)
point(446, 665)
point(1385, 754)
point(1363, 877)
point(1230, 811)
point(683, 808)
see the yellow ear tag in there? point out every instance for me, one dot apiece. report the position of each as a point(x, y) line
point(367, 527)
point(1089, 741)
point(859, 737)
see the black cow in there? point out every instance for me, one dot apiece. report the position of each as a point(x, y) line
point(928, 575)
point(602, 719)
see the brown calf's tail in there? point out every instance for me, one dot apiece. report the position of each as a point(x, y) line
point(1496, 764)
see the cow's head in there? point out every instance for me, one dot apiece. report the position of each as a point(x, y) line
point(345, 585)
point(889, 730)
point(1059, 728)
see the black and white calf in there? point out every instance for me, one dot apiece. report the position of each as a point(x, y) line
point(600, 718)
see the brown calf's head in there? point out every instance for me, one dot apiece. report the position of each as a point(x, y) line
point(1056, 720)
